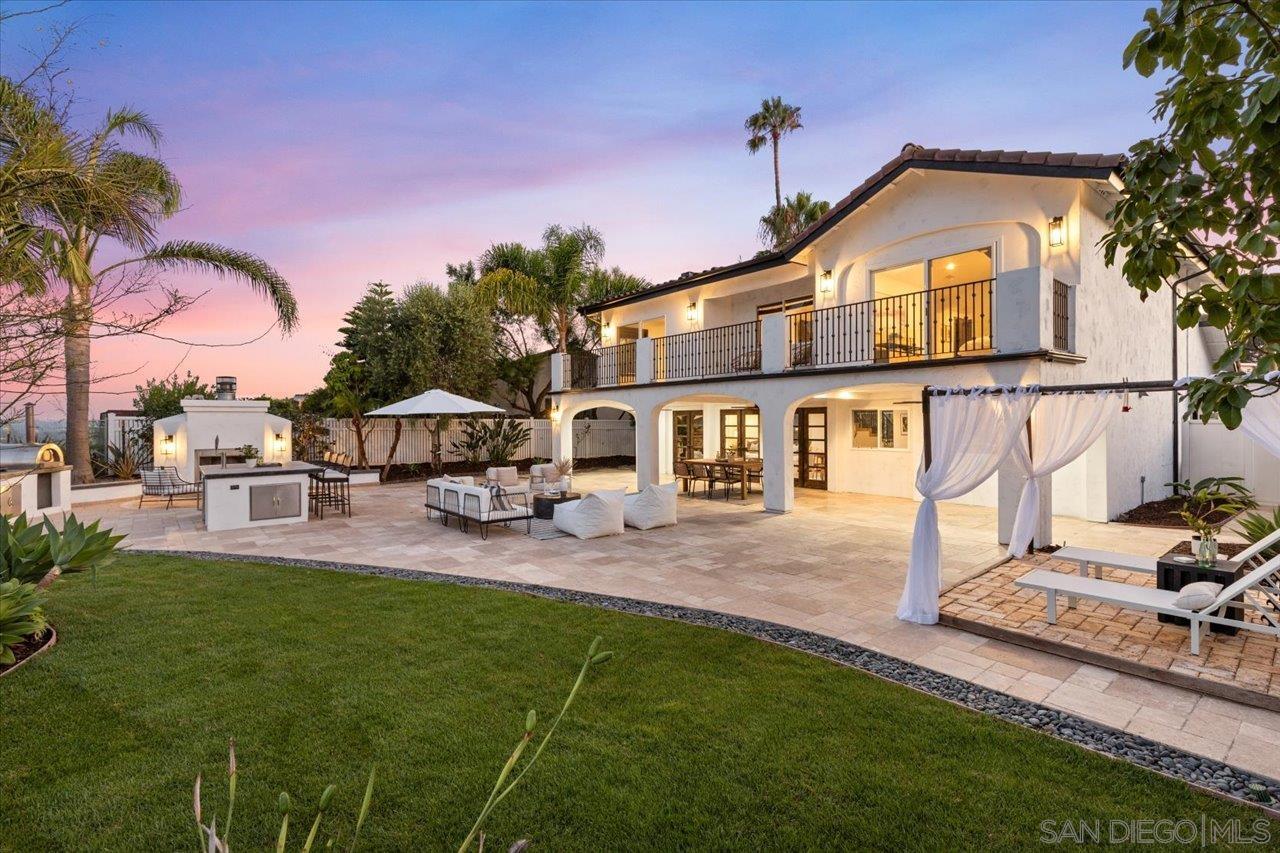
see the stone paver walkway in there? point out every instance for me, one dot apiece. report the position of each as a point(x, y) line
point(834, 566)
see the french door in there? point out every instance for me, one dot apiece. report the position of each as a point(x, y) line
point(809, 446)
point(740, 433)
point(686, 435)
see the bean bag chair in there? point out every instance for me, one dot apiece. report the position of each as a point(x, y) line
point(598, 514)
point(655, 506)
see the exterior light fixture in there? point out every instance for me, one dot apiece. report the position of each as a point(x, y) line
point(1057, 232)
point(691, 313)
point(555, 411)
point(279, 444)
point(167, 445)
point(606, 331)
point(825, 281)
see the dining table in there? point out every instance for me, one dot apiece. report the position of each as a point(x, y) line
point(743, 468)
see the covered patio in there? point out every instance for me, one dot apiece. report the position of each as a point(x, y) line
point(835, 567)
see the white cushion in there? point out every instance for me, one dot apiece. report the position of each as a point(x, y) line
point(653, 507)
point(1198, 595)
point(505, 476)
point(545, 470)
point(598, 514)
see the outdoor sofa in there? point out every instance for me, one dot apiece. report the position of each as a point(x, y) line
point(460, 498)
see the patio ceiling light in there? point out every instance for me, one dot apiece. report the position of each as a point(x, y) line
point(1057, 232)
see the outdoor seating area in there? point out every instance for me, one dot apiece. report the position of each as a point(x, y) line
point(164, 483)
point(733, 476)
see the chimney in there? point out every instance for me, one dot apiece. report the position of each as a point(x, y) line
point(30, 411)
point(226, 388)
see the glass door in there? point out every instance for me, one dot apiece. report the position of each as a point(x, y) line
point(809, 444)
point(740, 433)
point(686, 435)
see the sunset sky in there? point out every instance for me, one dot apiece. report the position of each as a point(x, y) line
point(347, 143)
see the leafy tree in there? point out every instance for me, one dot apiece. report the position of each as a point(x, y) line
point(117, 199)
point(782, 224)
point(547, 285)
point(773, 121)
point(370, 332)
point(447, 339)
point(1207, 184)
point(162, 398)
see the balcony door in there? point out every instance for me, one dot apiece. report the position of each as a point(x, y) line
point(809, 447)
point(686, 435)
point(935, 307)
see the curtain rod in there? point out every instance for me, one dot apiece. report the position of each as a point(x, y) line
point(1146, 385)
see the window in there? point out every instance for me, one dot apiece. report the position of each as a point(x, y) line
point(865, 428)
point(885, 429)
point(740, 433)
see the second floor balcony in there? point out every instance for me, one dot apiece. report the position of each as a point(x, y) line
point(1022, 311)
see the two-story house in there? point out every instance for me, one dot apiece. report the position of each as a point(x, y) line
point(944, 268)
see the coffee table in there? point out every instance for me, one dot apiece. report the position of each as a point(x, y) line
point(544, 506)
point(1174, 571)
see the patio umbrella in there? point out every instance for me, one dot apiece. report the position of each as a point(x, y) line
point(432, 404)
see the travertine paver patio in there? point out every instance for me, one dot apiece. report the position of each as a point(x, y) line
point(833, 566)
point(1129, 639)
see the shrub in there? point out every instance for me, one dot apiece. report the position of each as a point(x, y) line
point(21, 616)
point(122, 462)
point(29, 552)
point(503, 439)
point(1257, 526)
point(1210, 503)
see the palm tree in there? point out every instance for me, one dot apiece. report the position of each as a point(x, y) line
point(122, 197)
point(547, 285)
point(774, 121)
point(782, 224)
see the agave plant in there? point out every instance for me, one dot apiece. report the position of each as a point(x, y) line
point(21, 616)
point(38, 553)
point(1257, 526)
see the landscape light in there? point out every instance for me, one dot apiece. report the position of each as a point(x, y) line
point(1057, 232)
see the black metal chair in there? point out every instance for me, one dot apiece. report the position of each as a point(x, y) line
point(331, 485)
point(164, 483)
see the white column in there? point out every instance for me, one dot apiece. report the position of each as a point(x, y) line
point(644, 361)
point(775, 445)
point(561, 438)
point(710, 430)
point(773, 343)
point(560, 372)
point(646, 447)
point(666, 443)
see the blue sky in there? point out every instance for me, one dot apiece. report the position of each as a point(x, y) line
point(354, 142)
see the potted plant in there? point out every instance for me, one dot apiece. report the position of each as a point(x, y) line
point(564, 470)
point(250, 454)
point(1207, 506)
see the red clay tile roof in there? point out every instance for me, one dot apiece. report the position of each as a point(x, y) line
point(912, 156)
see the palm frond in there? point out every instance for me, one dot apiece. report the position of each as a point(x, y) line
point(514, 291)
point(223, 261)
point(129, 121)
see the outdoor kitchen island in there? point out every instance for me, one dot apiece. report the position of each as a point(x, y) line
point(238, 496)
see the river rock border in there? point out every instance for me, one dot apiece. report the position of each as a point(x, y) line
point(1210, 775)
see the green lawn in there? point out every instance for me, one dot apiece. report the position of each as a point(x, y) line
point(689, 738)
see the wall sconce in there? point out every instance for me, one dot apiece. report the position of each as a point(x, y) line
point(166, 446)
point(691, 313)
point(1057, 232)
point(606, 331)
point(824, 281)
point(279, 445)
point(555, 411)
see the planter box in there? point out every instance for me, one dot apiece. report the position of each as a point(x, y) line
point(109, 491)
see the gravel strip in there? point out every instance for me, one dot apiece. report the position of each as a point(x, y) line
point(1216, 777)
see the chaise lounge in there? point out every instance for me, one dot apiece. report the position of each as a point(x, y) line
point(1086, 557)
point(1202, 604)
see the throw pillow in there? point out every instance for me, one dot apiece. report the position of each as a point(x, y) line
point(498, 499)
point(1198, 595)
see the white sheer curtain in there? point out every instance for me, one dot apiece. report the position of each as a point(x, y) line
point(1261, 419)
point(971, 432)
point(1062, 427)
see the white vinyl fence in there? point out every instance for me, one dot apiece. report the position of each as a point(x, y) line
point(1212, 450)
point(592, 439)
